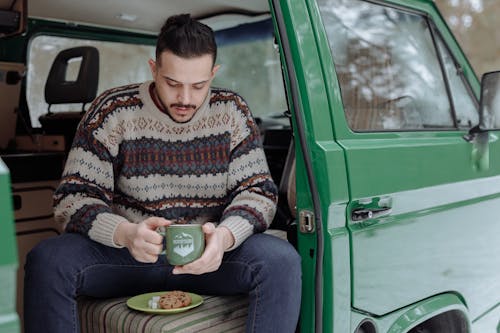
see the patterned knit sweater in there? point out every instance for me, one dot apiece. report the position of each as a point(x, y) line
point(130, 161)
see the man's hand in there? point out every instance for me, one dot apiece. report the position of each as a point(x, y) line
point(142, 240)
point(217, 241)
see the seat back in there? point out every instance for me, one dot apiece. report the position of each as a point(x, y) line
point(58, 90)
point(84, 89)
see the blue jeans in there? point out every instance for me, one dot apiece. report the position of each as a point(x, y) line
point(60, 269)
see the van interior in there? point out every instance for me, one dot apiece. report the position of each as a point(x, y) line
point(56, 56)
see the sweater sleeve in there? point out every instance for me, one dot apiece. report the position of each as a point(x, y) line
point(82, 202)
point(252, 192)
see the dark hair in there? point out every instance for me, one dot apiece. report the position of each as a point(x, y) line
point(185, 37)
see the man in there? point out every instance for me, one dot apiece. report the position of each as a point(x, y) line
point(151, 154)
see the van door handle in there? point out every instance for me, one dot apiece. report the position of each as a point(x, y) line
point(362, 214)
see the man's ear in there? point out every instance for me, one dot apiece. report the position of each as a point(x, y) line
point(152, 67)
point(215, 69)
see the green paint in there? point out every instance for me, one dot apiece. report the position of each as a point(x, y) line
point(9, 321)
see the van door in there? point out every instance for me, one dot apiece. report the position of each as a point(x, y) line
point(321, 180)
point(421, 212)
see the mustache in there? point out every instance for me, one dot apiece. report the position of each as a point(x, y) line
point(179, 105)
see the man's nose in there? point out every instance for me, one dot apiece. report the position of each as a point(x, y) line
point(185, 95)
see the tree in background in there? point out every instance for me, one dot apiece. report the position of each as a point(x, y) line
point(475, 25)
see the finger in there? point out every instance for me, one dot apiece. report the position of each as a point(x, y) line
point(195, 269)
point(208, 228)
point(153, 249)
point(153, 237)
point(145, 257)
point(208, 262)
point(155, 222)
point(190, 269)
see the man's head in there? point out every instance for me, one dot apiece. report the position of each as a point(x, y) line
point(184, 66)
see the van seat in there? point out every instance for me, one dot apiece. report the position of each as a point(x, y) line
point(58, 90)
point(216, 314)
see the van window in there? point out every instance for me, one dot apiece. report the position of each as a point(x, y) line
point(463, 100)
point(119, 64)
point(250, 65)
point(389, 69)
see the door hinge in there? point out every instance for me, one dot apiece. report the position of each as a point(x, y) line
point(306, 222)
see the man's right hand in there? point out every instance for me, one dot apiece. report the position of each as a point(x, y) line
point(142, 240)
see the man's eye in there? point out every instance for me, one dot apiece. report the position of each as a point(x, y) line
point(173, 85)
point(198, 86)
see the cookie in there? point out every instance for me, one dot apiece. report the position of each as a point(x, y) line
point(174, 299)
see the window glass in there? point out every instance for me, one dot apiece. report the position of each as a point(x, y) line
point(117, 67)
point(387, 65)
point(464, 103)
point(250, 66)
point(73, 69)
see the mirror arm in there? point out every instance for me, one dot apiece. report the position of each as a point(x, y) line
point(473, 133)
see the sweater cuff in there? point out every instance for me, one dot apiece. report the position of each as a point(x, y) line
point(103, 229)
point(239, 227)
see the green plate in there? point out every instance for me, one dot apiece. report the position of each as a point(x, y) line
point(140, 303)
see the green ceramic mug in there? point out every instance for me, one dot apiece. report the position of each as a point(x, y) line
point(184, 243)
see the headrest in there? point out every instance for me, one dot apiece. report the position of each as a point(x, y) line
point(84, 89)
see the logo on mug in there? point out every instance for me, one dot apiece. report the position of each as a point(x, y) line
point(183, 244)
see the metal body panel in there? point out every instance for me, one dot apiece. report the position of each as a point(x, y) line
point(441, 228)
point(9, 320)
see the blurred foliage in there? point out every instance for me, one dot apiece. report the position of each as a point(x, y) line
point(261, 81)
point(476, 27)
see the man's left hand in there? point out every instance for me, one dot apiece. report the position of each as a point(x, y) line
point(217, 241)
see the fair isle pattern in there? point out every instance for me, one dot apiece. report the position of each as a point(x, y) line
point(200, 156)
point(131, 161)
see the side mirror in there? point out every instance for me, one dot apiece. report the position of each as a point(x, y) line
point(13, 17)
point(489, 106)
point(489, 114)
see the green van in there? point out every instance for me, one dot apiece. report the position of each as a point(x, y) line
point(384, 143)
point(9, 320)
